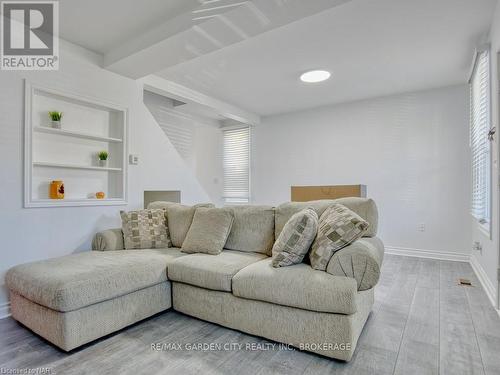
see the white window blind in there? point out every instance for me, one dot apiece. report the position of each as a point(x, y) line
point(236, 165)
point(480, 145)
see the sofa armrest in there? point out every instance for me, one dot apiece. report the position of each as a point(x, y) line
point(361, 260)
point(110, 239)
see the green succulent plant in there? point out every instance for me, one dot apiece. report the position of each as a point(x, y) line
point(103, 155)
point(55, 116)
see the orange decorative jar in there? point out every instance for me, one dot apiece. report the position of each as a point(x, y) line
point(57, 190)
point(100, 195)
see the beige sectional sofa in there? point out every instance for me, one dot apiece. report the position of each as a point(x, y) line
point(75, 299)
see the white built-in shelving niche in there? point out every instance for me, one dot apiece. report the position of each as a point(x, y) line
point(70, 153)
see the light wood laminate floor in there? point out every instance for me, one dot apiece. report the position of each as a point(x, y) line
point(422, 323)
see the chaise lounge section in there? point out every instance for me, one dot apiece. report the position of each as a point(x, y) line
point(75, 299)
point(78, 298)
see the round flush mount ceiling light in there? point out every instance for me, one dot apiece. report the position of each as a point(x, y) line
point(314, 76)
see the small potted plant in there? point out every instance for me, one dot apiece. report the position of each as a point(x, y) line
point(56, 119)
point(103, 158)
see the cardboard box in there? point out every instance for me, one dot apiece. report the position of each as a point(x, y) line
point(312, 193)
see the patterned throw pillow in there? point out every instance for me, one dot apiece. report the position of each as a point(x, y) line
point(295, 239)
point(145, 229)
point(338, 227)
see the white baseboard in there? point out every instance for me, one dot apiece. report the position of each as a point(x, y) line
point(484, 280)
point(4, 310)
point(488, 287)
point(430, 254)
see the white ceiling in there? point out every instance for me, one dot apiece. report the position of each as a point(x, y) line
point(252, 55)
point(372, 47)
point(100, 25)
point(210, 26)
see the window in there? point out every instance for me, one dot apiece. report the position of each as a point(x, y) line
point(479, 142)
point(236, 165)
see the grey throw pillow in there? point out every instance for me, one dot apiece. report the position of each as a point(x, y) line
point(295, 239)
point(179, 218)
point(145, 229)
point(209, 231)
point(338, 227)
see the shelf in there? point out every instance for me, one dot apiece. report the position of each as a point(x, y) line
point(77, 202)
point(70, 133)
point(73, 166)
point(69, 154)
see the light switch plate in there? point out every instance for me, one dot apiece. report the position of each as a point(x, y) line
point(133, 159)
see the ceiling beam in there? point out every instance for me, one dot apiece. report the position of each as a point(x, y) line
point(175, 91)
point(189, 36)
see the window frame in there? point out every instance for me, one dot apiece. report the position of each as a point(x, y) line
point(484, 223)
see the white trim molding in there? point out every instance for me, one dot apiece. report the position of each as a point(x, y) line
point(5, 310)
point(484, 280)
point(431, 254)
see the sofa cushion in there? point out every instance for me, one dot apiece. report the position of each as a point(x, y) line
point(361, 260)
point(338, 227)
point(74, 281)
point(364, 207)
point(253, 229)
point(209, 230)
point(108, 239)
point(211, 271)
point(295, 238)
point(179, 219)
point(161, 204)
point(145, 229)
point(296, 286)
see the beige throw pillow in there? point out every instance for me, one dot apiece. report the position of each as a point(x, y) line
point(209, 231)
point(179, 218)
point(145, 229)
point(338, 227)
point(295, 239)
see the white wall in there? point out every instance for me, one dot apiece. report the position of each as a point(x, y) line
point(204, 153)
point(410, 150)
point(208, 167)
point(32, 234)
point(488, 259)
